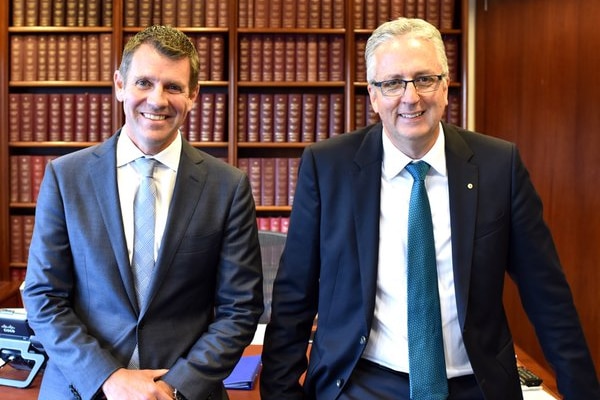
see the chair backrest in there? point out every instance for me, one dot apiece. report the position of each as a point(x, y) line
point(271, 247)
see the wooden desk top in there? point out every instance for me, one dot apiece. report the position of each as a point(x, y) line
point(31, 393)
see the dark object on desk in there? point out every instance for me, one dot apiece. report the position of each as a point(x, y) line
point(244, 374)
point(20, 358)
point(528, 378)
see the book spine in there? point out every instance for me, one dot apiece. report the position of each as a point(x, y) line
point(242, 117)
point(280, 102)
point(294, 126)
point(309, 106)
point(40, 117)
point(266, 117)
point(217, 64)
point(106, 129)
point(322, 117)
point(220, 118)
point(267, 176)
point(14, 117)
point(281, 181)
point(27, 117)
point(207, 107)
point(267, 59)
point(81, 117)
point(54, 117)
point(253, 117)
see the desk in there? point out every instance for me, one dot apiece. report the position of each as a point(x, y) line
point(31, 393)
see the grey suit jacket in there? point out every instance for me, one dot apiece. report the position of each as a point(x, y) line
point(205, 297)
point(329, 267)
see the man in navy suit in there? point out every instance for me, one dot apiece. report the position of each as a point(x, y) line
point(345, 256)
point(205, 293)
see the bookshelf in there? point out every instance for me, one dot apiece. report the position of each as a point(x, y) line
point(277, 75)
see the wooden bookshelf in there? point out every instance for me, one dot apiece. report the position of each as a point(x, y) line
point(227, 34)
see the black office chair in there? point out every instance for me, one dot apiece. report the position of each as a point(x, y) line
point(271, 247)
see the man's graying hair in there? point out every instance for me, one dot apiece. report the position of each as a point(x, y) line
point(170, 42)
point(413, 27)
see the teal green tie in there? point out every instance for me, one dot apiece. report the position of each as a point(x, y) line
point(427, 367)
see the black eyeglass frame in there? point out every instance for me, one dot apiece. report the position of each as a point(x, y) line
point(435, 86)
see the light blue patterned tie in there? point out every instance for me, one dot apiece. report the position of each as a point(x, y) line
point(427, 367)
point(144, 217)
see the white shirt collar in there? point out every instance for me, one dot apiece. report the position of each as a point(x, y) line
point(127, 152)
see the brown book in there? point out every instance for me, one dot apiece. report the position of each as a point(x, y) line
point(106, 129)
point(84, 65)
point(360, 63)
point(68, 113)
point(24, 179)
point(372, 116)
point(198, 13)
point(71, 13)
point(54, 117)
point(17, 249)
point(250, 22)
point(322, 117)
point(223, 14)
point(309, 116)
point(360, 111)
point(267, 58)
point(280, 103)
point(207, 116)
point(284, 225)
point(397, 9)
point(81, 117)
point(254, 174)
point(169, 12)
point(40, 117)
point(293, 164)
point(452, 49)
point(38, 164)
point(370, 14)
point(144, 11)
point(32, 12)
point(18, 13)
point(447, 14)
point(422, 9)
point(28, 223)
point(432, 12)
point(81, 5)
point(242, 117)
point(281, 181)
point(358, 12)
point(275, 13)
point(266, 117)
point(294, 126)
point(52, 54)
point(94, 117)
point(30, 58)
point(184, 13)
point(314, 13)
point(107, 12)
point(203, 47)
point(244, 166)
point(336, 114)
point(211, 13)
point(326, 14)
point(42, 58)
point(244, 59)
point(279, 63)
point(256, 63)
point(93, 13)
point(92, 57)
point(27, 105)
point(410, 8)
point(267, 184)
point(275, 224)
point(263, 223)
point(14, 182)
point(453, 112)
point(106, 71)
point(74, 58)
point(243, 13)
point(312, 58)
point(302, 13)
point(14, 117)
point(217, 63)
point(336, 58)
point(62, 57)
point(220, 118)
point(301, 58)
point(157, 12)
point(290, 57)
point(323, 58)
point(194, 121)
point(288, 14)
point(339, 14)
point(261, 14)
point(17, 48)
point(253, 117)
point(383, 11)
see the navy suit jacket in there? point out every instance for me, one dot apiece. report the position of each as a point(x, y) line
point(205, 298)
point(329, 267)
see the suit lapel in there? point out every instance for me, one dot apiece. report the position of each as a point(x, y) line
point(103, 175)
point(366, 189)
point(463, 186)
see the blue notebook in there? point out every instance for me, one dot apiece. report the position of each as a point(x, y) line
point(244, 374)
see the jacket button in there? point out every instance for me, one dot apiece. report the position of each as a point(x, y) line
point(339, 383)
point(363, 339)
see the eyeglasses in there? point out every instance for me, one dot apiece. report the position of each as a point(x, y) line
point(397, 87)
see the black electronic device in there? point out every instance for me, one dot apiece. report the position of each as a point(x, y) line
point(528, 378)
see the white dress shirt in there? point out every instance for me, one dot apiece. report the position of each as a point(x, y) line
point(388, 342)
point(128, 181)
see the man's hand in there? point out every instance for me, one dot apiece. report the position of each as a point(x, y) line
point(126, 384)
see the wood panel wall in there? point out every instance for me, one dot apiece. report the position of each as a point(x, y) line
point(538, 84)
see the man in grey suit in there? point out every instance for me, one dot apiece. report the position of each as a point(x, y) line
point(204, 296)
point(346, 257)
